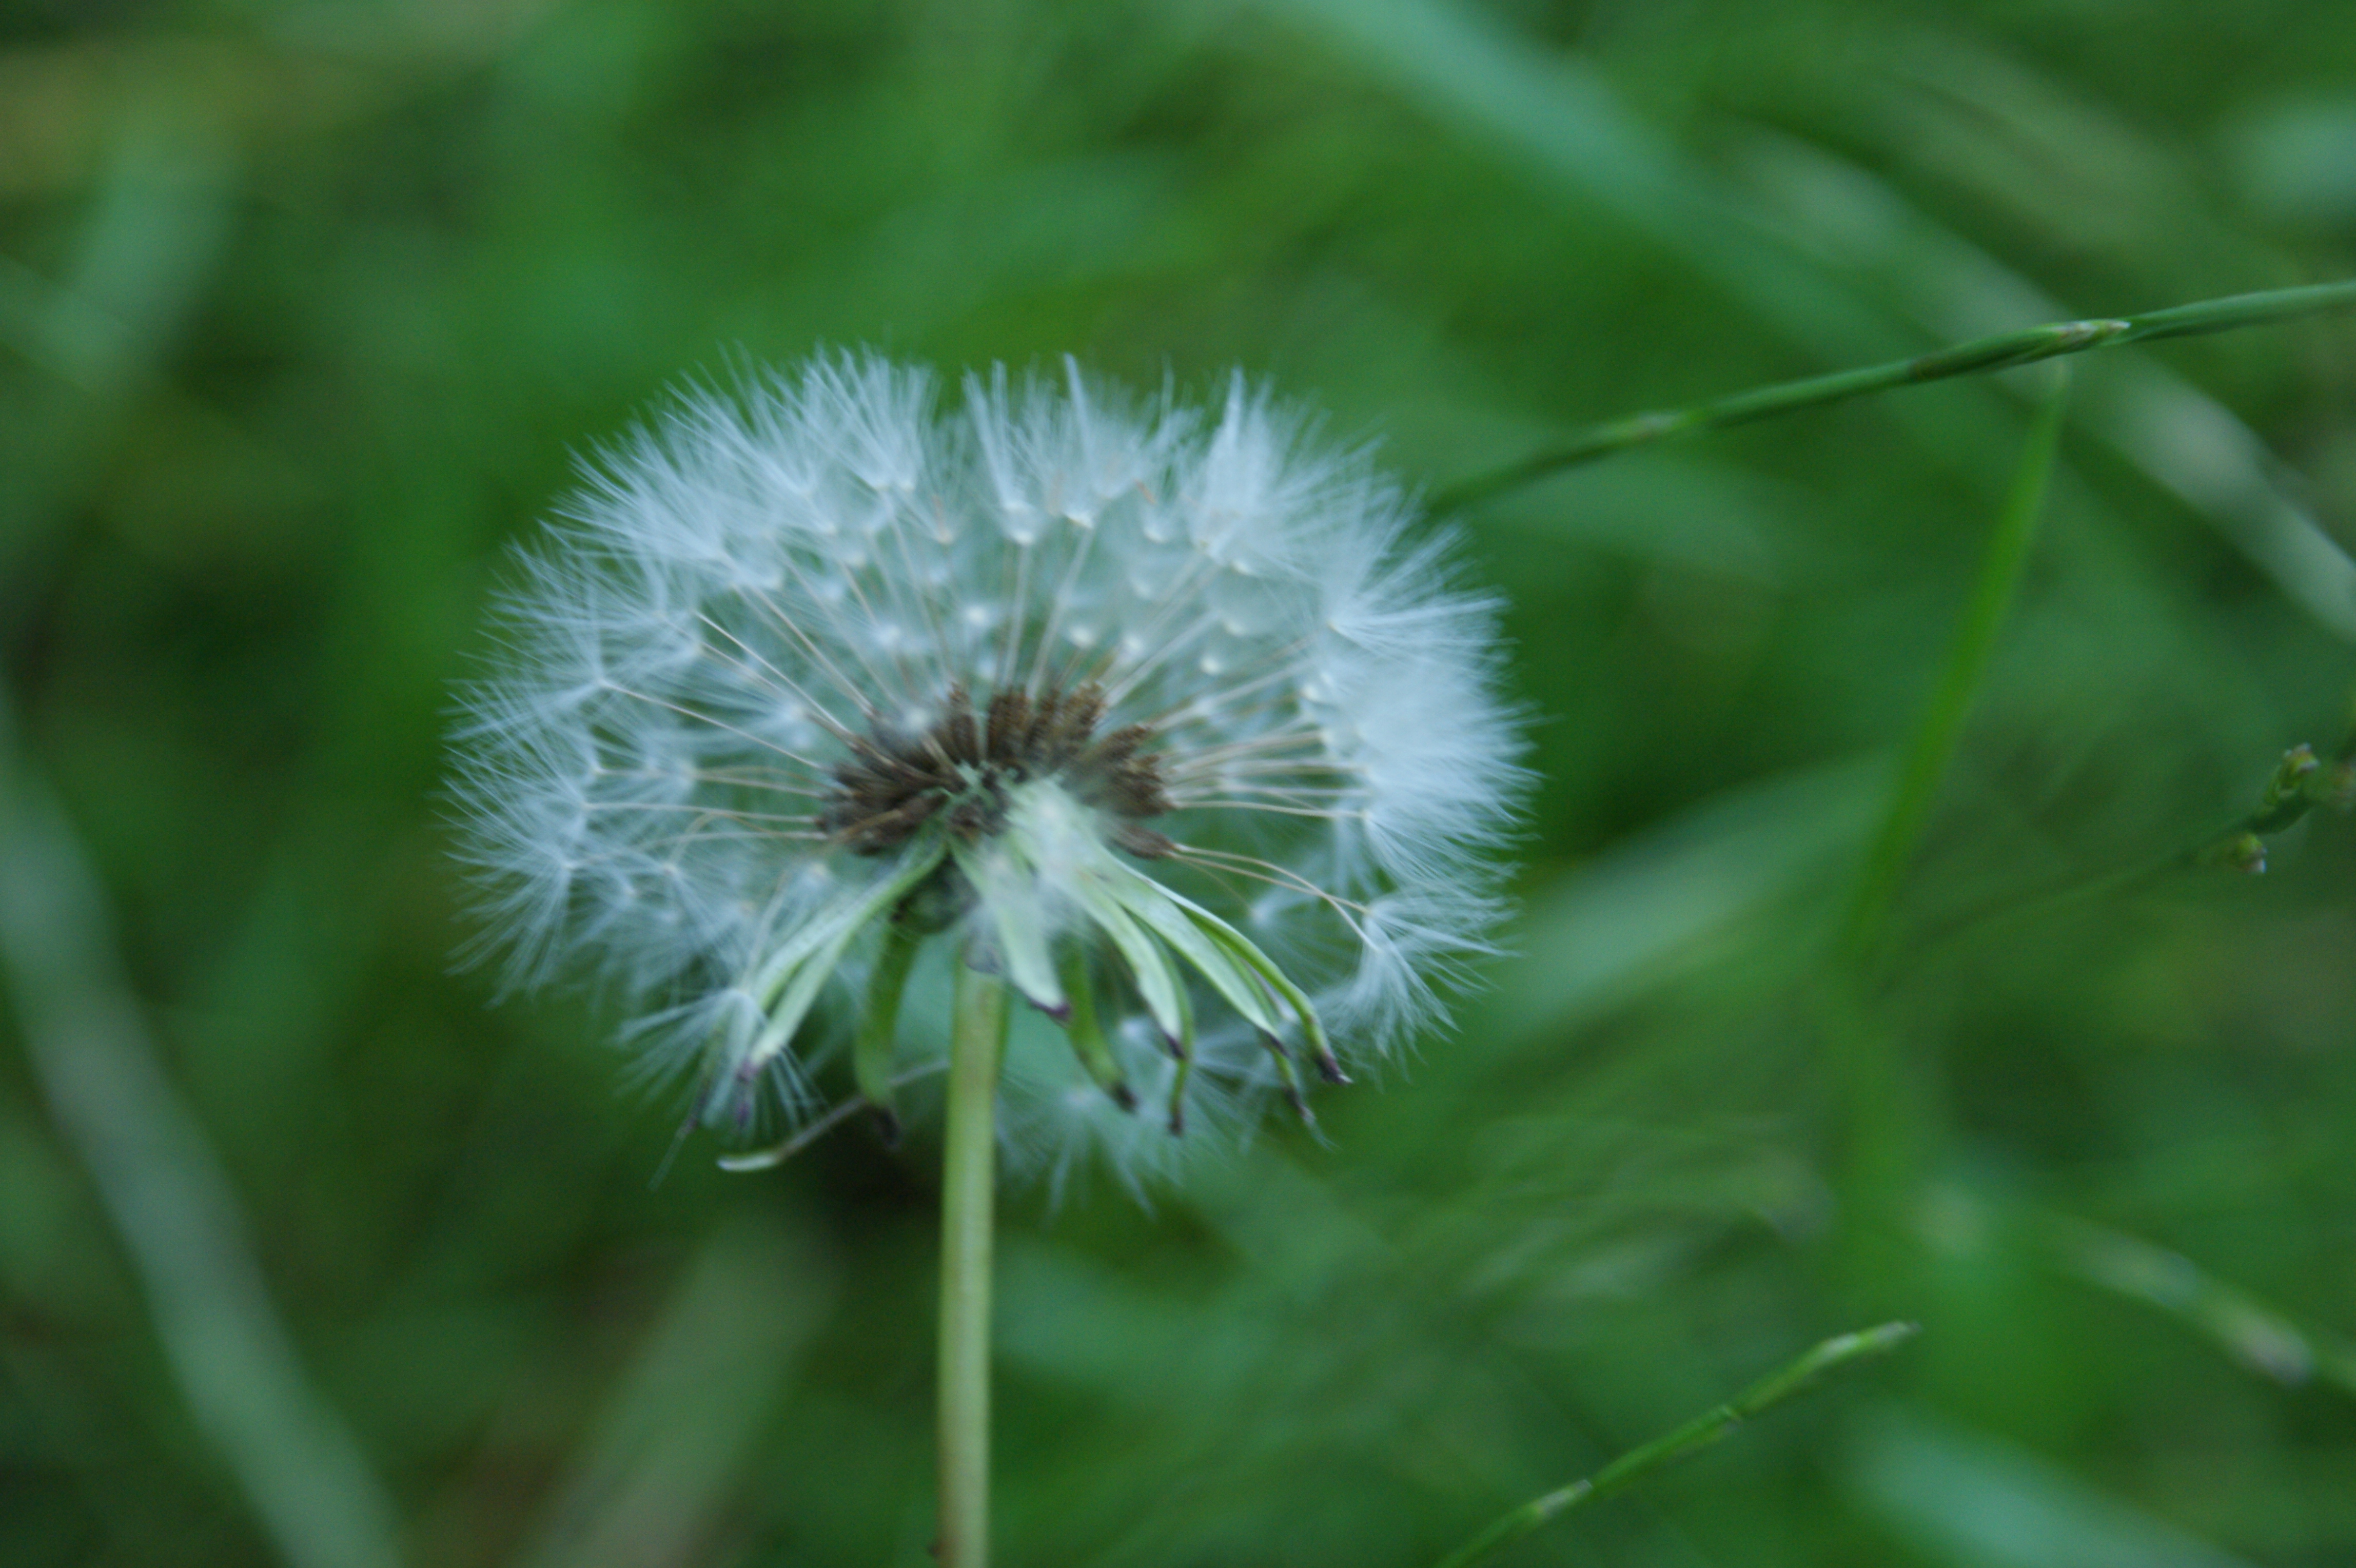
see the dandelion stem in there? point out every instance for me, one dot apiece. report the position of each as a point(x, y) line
point(2002, 352)
point(977, 1040)
point(1794, 1377)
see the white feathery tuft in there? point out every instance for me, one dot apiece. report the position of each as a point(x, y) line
point(755, 585)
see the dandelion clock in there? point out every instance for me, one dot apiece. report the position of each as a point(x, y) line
point(1159, 720)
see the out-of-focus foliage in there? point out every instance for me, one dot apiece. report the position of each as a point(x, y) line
point(307, 309)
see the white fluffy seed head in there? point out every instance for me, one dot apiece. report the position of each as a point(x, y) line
point(754, 584)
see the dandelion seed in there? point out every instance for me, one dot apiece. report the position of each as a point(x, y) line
point(1162, 717)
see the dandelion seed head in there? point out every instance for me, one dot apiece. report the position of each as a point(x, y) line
point(1128, 697)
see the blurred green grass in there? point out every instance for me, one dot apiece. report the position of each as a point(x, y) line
point(306, 310)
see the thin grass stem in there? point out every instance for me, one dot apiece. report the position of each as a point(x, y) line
point(2253, 1333)
point(1794, 1377)
point(1889, 1123)
point(2301, 782)
point(1937, 733)
point(2003, 351)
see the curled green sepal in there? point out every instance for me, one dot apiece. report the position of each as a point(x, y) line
point(1177, 1107)
point(1088, 1037)
point(872, 1048)
point(1246, 969)
point(1245, 977)
point(778, 1154)
point(1008, 889)
point(1153, 930)
point(788, 981)
point(1171, 918)
point(1149, 967)
point(1212, 952)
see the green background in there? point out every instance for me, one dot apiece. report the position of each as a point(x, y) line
point(309, 309)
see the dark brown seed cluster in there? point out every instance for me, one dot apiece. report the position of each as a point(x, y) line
point(959, 771)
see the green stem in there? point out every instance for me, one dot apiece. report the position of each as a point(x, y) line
point(969, 1163)
point(1888, 1117)
point(2002, 352)
point(2301, 782)
point(1932, 747)
point(1794, 1377)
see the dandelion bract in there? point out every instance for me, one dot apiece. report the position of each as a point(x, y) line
point(1167, 716)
